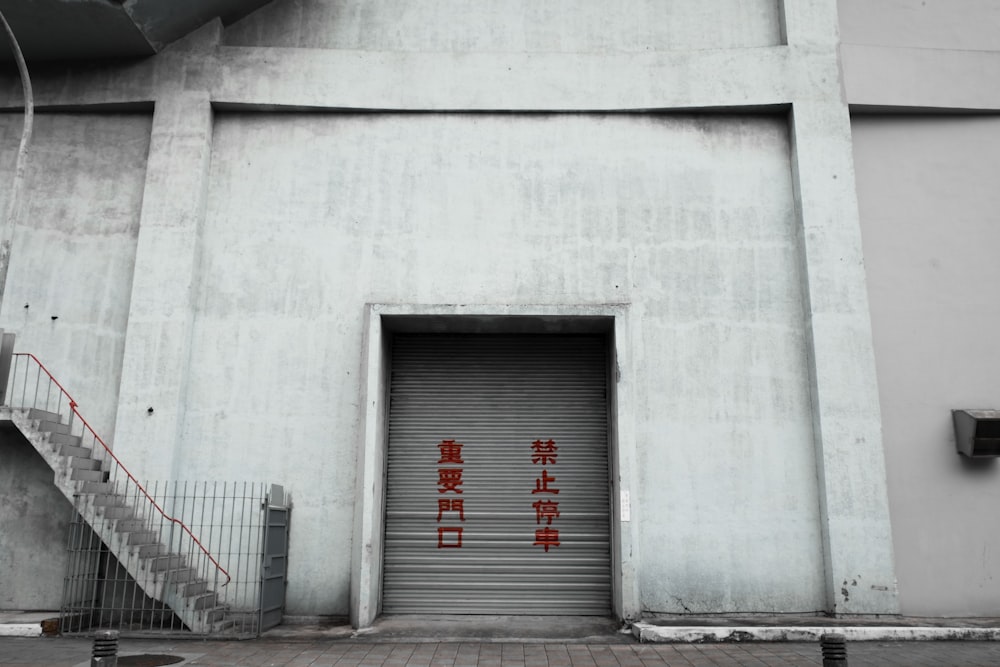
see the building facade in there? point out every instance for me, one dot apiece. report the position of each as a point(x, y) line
point(716, 272)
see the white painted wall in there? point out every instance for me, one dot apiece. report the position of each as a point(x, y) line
point(923, 54)
point(74, 249)
point(968, 25)
point(690, 219)
point(510, 25)
point(927, 189)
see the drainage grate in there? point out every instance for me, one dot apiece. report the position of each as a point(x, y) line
point(148, 660)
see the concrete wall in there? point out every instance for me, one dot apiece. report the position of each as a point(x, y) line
point(749, 419)
point(920, 54)
point(67, 300)
point(510, 25)
point(312, 216)
point(969, 25)
point(34, 527)
point(928, 198)
point(70, 279)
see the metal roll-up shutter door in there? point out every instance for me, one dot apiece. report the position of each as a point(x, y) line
point(530, 414)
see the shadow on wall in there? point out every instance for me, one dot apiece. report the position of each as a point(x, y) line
point(34, 524)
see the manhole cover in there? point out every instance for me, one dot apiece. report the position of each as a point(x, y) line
point(148, 660)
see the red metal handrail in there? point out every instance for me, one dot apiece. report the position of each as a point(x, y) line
point(178, 522)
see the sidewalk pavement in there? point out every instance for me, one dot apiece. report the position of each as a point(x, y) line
point(75, 652)
point(534, 641)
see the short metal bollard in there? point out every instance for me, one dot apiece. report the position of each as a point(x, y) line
point(105, 652)
point(834, 648)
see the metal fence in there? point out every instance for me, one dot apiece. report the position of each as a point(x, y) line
point(170, 557)
point(106, 494)
point(231, 521)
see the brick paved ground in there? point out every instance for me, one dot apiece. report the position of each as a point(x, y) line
point(264, 653)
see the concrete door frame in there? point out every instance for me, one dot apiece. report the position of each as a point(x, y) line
point(369, 509)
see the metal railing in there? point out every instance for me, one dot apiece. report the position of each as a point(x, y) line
point(99, 593)
point(32, 386)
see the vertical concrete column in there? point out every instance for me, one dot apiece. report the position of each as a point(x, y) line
point(854, 509)
point(161, 312)
point(625, 467)
point(369, 508)
point(810, 22)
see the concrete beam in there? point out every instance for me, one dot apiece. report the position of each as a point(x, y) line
point(874, 77)
point(274, 78)
point(269, 78)
point(901, 78)
point(498, 82)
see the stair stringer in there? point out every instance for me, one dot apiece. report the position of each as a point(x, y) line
point(162, 576)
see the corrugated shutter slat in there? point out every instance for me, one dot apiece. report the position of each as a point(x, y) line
point(496, 394)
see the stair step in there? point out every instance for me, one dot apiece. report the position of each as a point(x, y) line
point(108, 500)
point(129, 525)
point(151, 550)
point(84, 463)
point(65, 439)
point(89, 475)
point(53, 426)
point(70, 450)
point(180, 576)
point(193, 588)
point(44, 415)
point(117, 512)
point(96, 487)
point(214, 615)
point(204, 601)
point(163, 563)
point(142, 537)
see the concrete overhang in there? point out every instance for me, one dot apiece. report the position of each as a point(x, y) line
point(50, 30)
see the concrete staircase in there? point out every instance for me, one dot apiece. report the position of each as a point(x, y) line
point(128, 522)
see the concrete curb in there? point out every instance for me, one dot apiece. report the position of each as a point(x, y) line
point(20, 629)
point(688, 634)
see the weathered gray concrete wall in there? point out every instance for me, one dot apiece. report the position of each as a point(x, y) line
point(928, 195)
point(34, 525)
point(70, 277)
point(737, 256)
point(689, 219)
point(510, 25)
point(67, 301)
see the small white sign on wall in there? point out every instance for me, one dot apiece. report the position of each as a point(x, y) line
point(626, 507)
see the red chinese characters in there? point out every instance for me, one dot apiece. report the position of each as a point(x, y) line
point(451, 452)
point(450, 509)
point(542, 483)
point(449, 479)
point(544, 452)
point(546, 509)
